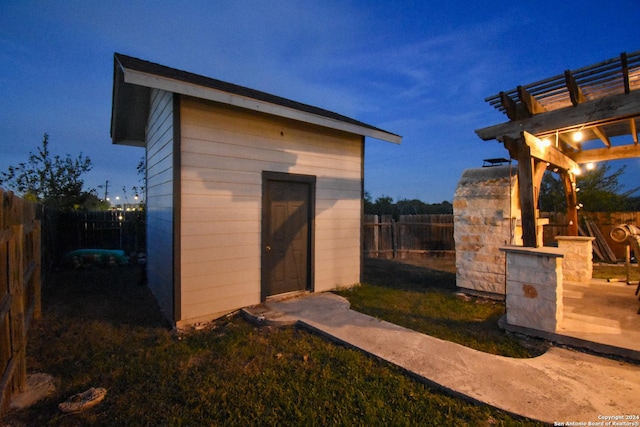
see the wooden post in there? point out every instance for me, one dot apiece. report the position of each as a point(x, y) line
point(569, 183)
point(394, 238)
point(527, 197)
point(37, 275)
point(376, 236)
point(627, 259)
point(17, 317)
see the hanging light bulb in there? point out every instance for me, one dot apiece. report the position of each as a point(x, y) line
point(577, 136)
point(590, 166)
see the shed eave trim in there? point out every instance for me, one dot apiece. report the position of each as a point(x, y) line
point(184, 88)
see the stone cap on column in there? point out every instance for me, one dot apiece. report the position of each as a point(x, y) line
point(575, 238)
point(541, 251)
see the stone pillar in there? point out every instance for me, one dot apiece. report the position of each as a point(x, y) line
point(534, 287)
point(577, 264)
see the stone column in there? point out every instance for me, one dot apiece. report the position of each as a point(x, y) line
point(577, 264)
point(534, 287)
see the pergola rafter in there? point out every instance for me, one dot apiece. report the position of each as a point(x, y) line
point(601, 102)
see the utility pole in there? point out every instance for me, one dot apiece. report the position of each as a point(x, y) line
point(106, 190)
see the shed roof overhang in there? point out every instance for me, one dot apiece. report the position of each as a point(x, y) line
point(134, 78)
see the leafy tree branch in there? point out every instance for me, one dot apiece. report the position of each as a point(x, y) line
point(54, 181)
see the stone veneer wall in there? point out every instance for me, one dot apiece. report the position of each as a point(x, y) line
point(534, 287)
point(485, 212)
point(577, 264)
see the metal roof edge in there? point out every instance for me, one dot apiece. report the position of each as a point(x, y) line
point(151, 75)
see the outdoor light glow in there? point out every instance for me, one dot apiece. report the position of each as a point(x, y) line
point(576, 171)
point(590, 166)
point(577, 136)
point(545, 142)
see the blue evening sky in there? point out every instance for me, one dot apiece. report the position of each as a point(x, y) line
point(421, 69)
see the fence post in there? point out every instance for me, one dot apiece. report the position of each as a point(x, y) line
point(37, 273)
point(17, 317)
point(394, 238)
point(376, 236)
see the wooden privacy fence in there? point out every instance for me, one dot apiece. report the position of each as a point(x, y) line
point(410, 236)
point(99, 230)
point(604, 221)
point(20, 281)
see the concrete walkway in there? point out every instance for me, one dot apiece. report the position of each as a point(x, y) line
point(560, 386)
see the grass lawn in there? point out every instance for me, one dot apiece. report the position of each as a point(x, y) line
point(420, 294)
point(101, 329)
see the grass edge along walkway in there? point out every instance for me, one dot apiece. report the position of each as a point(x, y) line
point(99, 329)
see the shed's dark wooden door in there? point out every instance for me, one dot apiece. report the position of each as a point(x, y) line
point(286, 237)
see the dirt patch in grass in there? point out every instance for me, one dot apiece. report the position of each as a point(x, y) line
point(101, 329)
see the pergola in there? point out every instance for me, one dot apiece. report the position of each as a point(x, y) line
point(581, 116)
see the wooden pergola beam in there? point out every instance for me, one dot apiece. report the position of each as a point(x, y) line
point(548, 154)
point(633, 130)
point(532, 104)
point(577, 97)
point(569, 142)
point(625, 72)
point(575, 93)
point(510, 106)
point(602, 135)
point(603, 154)
point(590, 113)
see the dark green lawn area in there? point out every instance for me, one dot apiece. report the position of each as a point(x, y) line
point(101, 329)
point(420, 294)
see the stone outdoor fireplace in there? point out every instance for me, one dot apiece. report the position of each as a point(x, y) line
point(485, 214)
point(491, 260)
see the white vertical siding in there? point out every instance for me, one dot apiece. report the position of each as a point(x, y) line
point(159, 199)
point(223, 153)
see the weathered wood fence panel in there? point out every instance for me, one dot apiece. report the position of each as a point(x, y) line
point(432, 235)
point(410, 236)
point(604, 220)
point(20, 284)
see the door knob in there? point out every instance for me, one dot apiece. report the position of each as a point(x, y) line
point(268, 248)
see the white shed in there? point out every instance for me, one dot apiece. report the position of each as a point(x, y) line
point(249, 195)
